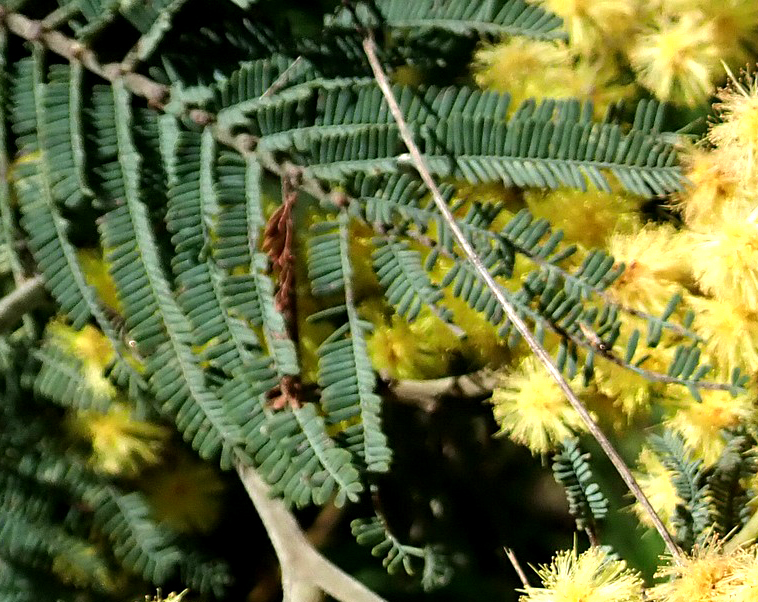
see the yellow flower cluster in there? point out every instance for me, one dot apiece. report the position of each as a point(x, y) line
point(592, 575)
point(674, 48)
point(532, 410)
point(709, 574)
point(120, 444)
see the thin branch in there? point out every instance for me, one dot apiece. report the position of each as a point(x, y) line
point(35, 31)
point(581, 341)
point(305, 572)
point(517, 567)
point(283, 78)
point(618, 462)
point(427, 393)
point(149, 41)
point(157, 96)
point(26, 297)
point(60, 15)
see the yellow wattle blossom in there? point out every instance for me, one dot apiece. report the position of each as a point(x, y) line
point(401, 350)
point(588, 218)
point(186, 494)
point(656, 267)
point(593, 22)
point(89, 344)
point(743, 583)
point(481, 344)
point(98, 277)
point(701, 423)
point(91, 348)
point(532, 410)
point(730, 332)
point(527, 68)
point(736, 133)
point(678, 58)
point(120, 445)
point(703, 576)
point(655, 480)
point(631, 392)
point(725, 258)
point(711, 187)
point(734, 24)
point(591, 576)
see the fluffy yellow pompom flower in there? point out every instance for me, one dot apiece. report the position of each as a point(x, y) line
point(736, 134)
point(98, 277)
point(701, 423)
point(590, 21)
point(730, 331)
point(525, 68)
point(587, 218)
point(120, 445)
point(92, 348)
point(402, 350)
point(537, 69)
point(743, 584)
point(532, 410)
point(678, 59)
point(655, 480)
point(88, 344)
point(591, 576)
point(711, 187)
point(656, 267)
point(734, 24)
point(186, 494)
point(629, 391)
point(725, 258)
point(703, 576)
point(481, 344)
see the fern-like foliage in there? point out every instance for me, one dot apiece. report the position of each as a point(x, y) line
point(725, 484)
point(587, 504)
point(224, 195)
point(396, 555)
point(504, 17)
point(692, 517)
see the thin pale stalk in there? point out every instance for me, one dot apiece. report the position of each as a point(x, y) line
point(517, 567)
point(544, 357)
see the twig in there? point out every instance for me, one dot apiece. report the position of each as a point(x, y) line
point(149, 41)
point(283, 78)
point(618, 462)
point(426, 393)
point(583, 341)
point(592, 536)
point(34, 31)
point(517, 567)
point(305, 572)
point(60, 15)
point(29, 295)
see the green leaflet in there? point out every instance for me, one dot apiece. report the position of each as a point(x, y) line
point(345, 372)
point(152, 315)
point(587, 503)
point(460, 17)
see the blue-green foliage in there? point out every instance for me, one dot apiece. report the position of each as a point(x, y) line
point(177, 196)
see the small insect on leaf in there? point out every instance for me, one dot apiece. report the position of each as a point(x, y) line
point(592, 337)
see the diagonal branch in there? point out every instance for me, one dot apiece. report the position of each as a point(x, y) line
point(618, 462)
point(26, 297)
point(157, 96)
point(305, 572)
